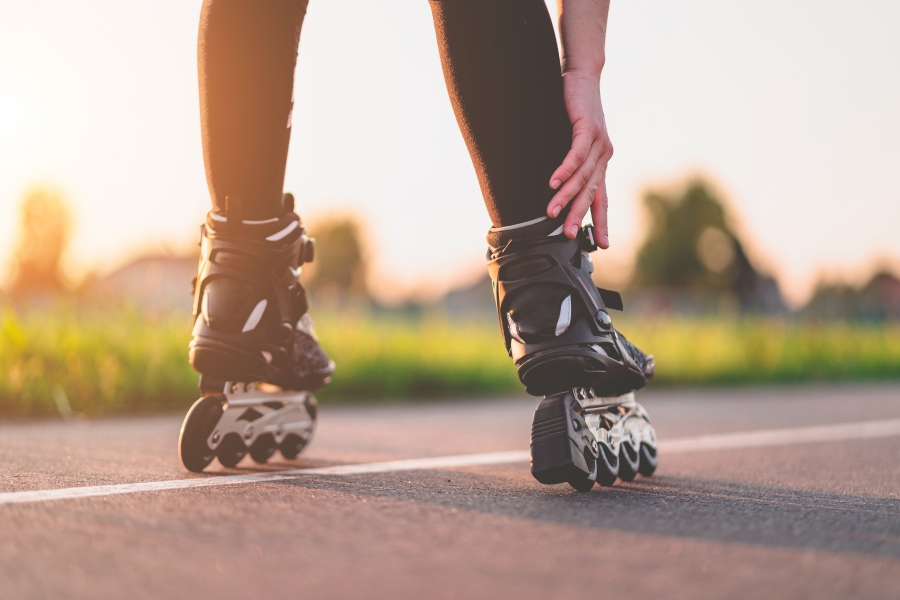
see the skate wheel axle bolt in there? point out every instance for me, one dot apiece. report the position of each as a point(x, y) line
point(248, 434)
point(603, 319)
point(576, 425)
point(216, 437)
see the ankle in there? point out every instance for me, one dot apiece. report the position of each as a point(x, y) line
point(536, 228)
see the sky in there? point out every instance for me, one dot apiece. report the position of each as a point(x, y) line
point(789, 107)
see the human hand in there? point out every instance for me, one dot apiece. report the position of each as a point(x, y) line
point(582, 174)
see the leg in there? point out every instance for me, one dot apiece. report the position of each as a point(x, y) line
point(250, 312)
point(247, 53)
point(501, 64)
point(502, 69)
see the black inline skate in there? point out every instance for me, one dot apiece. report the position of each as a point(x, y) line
point(254, 343)
point(558, 331)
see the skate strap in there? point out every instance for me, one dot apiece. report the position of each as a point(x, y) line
point(611, 299)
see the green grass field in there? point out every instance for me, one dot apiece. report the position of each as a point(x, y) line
point(122, 361)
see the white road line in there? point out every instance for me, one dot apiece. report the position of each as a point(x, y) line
point(748, 439)
point(783, 437)
point(416, 464)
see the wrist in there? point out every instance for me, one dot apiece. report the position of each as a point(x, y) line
point(583, 69)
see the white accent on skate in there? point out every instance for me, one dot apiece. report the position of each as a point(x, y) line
point(556, 231)
point(305, 325)
point(726, 441)
point(222, 219)
point(284, 232)
point(599, 350)
point(255, 316)
point(565, 316)
point(295, 272)
point(519, 225)
point(267, 356)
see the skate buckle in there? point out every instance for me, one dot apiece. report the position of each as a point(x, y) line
point(588, 242)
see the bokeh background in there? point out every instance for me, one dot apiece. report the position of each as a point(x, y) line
point(754, 199)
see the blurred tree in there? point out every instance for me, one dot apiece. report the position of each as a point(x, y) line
point(45, 229)
point(691, 246)
point(339, 269)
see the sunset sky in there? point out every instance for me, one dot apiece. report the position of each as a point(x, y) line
point(791, 107)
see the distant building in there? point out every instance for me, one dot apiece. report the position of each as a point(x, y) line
point(150, 282)
point(877, 300)
point(476, 299)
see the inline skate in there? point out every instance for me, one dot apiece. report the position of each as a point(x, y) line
point(557, 329)
point(253, 341)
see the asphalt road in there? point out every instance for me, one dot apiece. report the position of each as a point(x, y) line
point(809, 520)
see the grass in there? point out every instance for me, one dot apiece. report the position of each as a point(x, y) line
point(124, 361)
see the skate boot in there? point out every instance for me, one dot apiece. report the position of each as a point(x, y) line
point(558, 331)
point(555, 321)
point(254, 343)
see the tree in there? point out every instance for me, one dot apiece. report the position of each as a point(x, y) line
point(45, 229)
point(339, 267)
point(692, 246)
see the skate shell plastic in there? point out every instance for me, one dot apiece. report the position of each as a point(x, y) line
point(588, 352)
point(270, 268)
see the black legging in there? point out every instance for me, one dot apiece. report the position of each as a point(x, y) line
point(501, 65)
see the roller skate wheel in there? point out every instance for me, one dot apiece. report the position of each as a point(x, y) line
point(231, 451)
point(649, 460)
point(199, 422)
point(629, 461)
point(607, 468)
point(292, 445)
point(263, 448)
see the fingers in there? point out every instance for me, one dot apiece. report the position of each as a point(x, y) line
point(575, 183)
point(581, 146)
point(575, 160)
point(585, 199)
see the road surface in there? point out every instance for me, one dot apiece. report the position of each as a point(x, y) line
point(809, 511)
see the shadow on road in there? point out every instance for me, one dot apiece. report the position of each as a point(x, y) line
point(668, 506)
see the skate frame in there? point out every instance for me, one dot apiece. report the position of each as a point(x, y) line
point(620, 409)
point(251, 412)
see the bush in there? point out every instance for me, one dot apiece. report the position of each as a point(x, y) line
point(125, 361)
